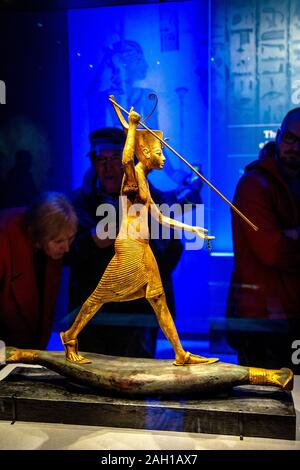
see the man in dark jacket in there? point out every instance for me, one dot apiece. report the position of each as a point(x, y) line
point(264, 298)
point(132, 329)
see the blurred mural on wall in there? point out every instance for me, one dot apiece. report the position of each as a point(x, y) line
point(255, 80)
point(131, 52)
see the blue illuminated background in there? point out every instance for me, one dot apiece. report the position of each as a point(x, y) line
point(225, 73)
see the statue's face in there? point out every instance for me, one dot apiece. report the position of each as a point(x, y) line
point(157, 156)
point(153, 157)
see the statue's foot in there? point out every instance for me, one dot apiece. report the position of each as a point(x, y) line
point(284, 378)
point(14, 355)
point(71, 348)
point(193, 359)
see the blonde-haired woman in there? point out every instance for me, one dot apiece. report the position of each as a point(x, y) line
point(33, 241)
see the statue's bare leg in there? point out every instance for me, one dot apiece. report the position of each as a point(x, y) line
point(69, 337)
point(165, 320)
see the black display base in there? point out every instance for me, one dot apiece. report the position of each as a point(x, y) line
point(40, 395)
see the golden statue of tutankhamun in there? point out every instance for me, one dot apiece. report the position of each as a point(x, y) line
point(133, 272)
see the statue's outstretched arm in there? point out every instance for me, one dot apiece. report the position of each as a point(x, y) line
point(128, 153)
point(164, 220)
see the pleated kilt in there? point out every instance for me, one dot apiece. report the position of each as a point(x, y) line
point(132, 268)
